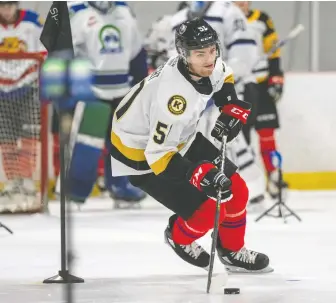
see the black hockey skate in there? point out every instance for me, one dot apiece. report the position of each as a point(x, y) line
point(193, 253)
point(243, 261)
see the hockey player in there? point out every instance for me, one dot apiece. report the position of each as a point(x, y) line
point(155, 142)
point(106, 33)
point(19, 121)
point(239, 50)
point(270, 84)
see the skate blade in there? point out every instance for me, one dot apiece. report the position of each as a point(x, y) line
point(122, 204)
point(239, 270)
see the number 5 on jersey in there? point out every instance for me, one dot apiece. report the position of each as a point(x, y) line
point(160, 133)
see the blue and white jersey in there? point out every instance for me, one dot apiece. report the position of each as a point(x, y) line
point(110, 41)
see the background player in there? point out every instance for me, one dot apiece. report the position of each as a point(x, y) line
point(155, 141)
point(19, 121)
point(270, 84)
point(106, 33)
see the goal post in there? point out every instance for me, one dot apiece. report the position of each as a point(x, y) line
point(24, 130)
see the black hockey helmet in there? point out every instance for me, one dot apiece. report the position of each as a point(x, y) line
point(195, 34)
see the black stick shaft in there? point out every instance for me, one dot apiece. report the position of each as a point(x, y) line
point(216, 223)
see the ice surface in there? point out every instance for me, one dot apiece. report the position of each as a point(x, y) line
point(122, 257)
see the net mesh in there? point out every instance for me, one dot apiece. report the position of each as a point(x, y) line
point(21, 134)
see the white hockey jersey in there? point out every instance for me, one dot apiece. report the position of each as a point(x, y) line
point(110, 41)
point(238, 45)
point(158, 118)
point(23, 36)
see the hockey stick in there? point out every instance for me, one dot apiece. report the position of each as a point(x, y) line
point(216, 225)
point(291, 35)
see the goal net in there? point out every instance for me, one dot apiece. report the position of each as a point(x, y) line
point(23, 135)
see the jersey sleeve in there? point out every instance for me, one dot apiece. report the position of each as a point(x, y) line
point(38, 30)
point(270, 36)
point(168, 118)
point(77, 21)
point(137, 40)
point(37, 22)
point(242, 51)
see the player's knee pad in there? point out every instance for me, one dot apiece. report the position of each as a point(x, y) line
point(204, 217)
point(237, 205)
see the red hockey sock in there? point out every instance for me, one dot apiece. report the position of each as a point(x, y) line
point(267, 145)
point(187, 231)
point(232, 229)
point(184, 234)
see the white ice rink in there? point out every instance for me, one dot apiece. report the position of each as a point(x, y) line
point(122, 257)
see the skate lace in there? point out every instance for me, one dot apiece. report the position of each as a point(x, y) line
point(245, 255)
point(193, 250)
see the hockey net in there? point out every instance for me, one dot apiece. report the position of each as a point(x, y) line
point(23, 135)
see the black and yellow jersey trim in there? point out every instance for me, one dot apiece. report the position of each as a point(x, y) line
point(135, 158)
point(131, 157)
point(229, 79)
point(270, 36)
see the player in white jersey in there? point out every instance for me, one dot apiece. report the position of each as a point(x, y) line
point(155, 141)
point(20, 33)
point(107, 34)
point(270, 79)
point(239, 50)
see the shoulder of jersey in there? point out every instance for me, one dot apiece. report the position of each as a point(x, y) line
point(76, 8)
point(220, 11)
point(256, 14)
point(173, 94)
point(32, 17)
point(263, 16)
point(225, 6)
point(123, 10)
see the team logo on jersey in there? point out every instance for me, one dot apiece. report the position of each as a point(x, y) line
point(110, 39)
point(13, 45)
point(177, 105)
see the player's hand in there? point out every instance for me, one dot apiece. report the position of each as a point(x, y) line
point(231, 120)
point(275, 87)
point(208, 179)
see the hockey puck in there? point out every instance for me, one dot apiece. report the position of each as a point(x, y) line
point(231, 291)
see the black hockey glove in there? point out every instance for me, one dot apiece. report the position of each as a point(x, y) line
point(207, 178)
point(231, 119)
